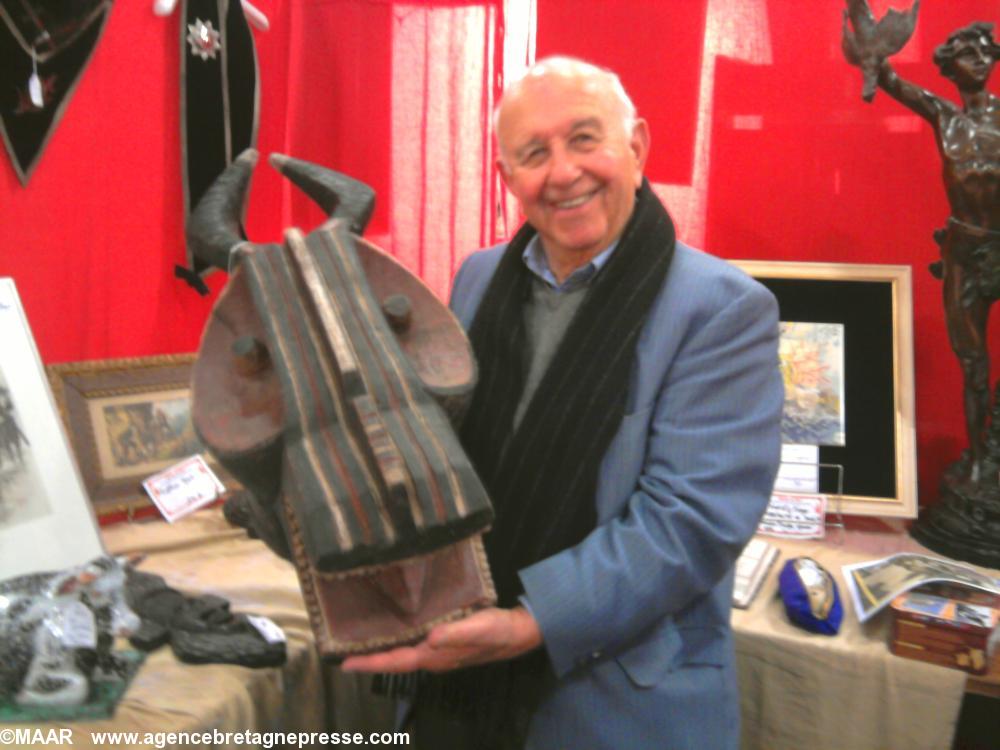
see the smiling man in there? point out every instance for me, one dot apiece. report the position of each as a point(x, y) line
point(626, 424)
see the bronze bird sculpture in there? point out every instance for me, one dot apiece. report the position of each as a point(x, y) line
point(871, 42)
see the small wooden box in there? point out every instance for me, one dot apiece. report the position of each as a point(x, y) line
point(953, 626)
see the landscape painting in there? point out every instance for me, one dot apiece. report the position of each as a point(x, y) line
point(812, 366)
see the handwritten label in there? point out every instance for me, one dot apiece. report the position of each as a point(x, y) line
point(76, 623)
point(794, 517)
point(267, 628)
point(183, 488)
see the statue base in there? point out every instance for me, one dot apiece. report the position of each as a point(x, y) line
point(965, 523)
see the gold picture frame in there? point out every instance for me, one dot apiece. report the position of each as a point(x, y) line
point(874, 303)
point(127, 419)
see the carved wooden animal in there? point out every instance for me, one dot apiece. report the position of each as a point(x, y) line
point(324, 381)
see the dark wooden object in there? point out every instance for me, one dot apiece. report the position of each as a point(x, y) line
point(324, 382)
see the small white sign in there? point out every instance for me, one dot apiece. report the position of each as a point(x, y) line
point(76, 622)
point(267, 628)
point(183, 488)
point(797, 478)
point(799, 469)
point(794, 517)
point(797, 453)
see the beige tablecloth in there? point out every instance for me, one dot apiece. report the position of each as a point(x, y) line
point(803, 691)
point(799, 691)
point(203, 554)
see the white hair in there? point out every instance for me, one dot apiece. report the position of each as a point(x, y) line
point(572, 67)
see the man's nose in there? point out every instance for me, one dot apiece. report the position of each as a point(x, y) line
point(563, 167)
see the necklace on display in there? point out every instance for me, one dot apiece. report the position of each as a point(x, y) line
point(43, 38)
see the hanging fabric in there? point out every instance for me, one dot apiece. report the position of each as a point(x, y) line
point(220, 102)
point(44, 47)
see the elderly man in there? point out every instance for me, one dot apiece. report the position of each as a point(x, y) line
point(626, 424)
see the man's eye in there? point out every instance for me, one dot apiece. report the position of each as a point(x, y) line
point(533, 156)
point(583, 139)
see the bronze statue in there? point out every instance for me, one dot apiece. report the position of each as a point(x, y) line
point(968, 139)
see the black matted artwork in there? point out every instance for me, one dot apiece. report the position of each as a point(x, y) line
point(873, 303)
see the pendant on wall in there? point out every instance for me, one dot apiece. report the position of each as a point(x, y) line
point(44, 47)
point(219, 102)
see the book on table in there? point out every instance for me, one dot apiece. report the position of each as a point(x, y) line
point(752, 567)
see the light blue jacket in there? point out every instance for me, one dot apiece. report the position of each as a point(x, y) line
point(635, 618)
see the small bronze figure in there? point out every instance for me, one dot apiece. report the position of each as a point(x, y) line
point(967, 523)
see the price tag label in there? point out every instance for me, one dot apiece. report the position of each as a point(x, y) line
point(267, 628)
point(794, 517)
point(799, 469)
point(77, 624)
point(183, 488)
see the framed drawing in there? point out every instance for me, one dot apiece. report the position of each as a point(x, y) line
point(127, 419)
point(847, 362)
point(46, 522)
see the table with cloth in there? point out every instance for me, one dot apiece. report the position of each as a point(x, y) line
point(805, 690)
point(799, 690)
point(203, 554)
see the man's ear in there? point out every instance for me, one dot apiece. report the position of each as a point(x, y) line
point(503, 170)
point(639, 145)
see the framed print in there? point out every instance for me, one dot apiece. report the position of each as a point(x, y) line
point(127, 419)
point(847, 363)
point(46, 522)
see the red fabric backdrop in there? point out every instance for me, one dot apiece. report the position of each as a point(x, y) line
point(761, 147)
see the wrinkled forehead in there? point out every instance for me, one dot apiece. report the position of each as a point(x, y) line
point(541, 88)
point(539, 103)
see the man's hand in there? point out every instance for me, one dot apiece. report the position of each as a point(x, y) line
point(488, 635)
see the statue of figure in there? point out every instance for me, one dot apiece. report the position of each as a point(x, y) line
point(968, 139)
point(965, 523)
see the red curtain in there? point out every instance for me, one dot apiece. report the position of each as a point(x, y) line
point(762, 148)
point(361, 86)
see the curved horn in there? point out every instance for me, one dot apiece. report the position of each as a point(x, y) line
point(340, 196)
point(214, 229)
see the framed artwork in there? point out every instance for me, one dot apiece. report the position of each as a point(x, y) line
point(46, 522)
point(847, 363)
point(127, 419)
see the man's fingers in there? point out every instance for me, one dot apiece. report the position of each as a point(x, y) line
point(410, 659)
point(397, 660)
point(485, 636)
point(483, 628)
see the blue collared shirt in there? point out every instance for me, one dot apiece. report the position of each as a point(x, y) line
point(535, 259)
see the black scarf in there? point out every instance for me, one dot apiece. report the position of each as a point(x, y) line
point(542, 476)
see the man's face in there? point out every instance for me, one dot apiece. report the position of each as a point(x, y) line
point(972, 65)
point(567, 159)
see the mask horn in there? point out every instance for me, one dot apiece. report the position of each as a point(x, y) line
point(340, 196)
point(214, 230)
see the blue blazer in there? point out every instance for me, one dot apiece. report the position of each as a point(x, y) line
point(635, 618)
